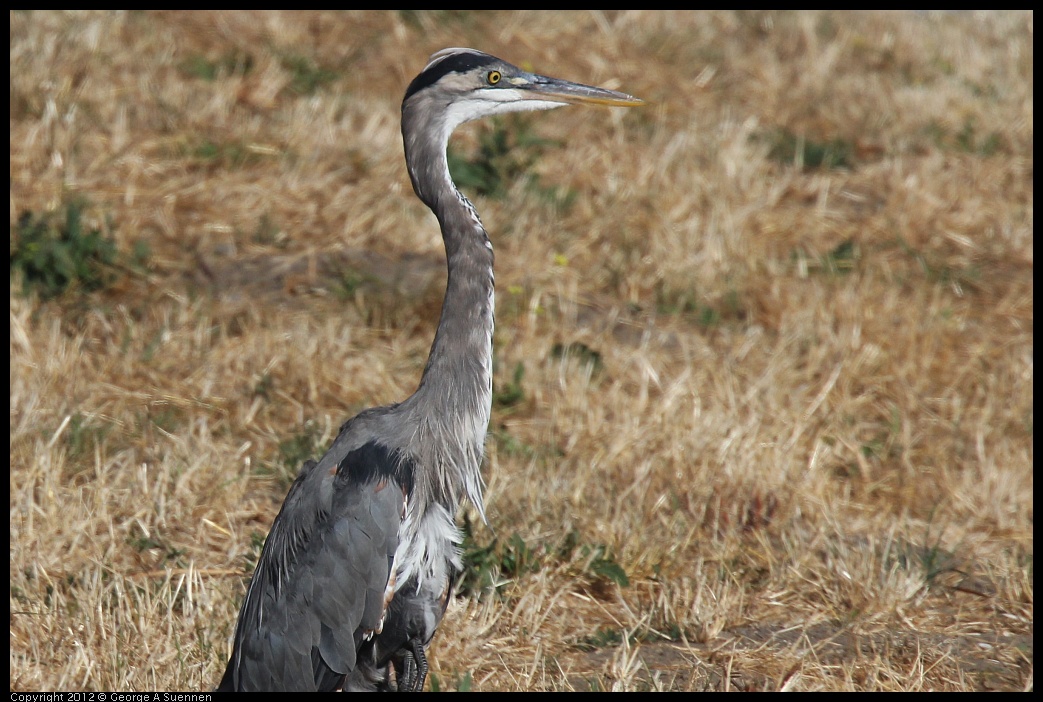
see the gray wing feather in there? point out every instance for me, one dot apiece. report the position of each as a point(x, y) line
point(319, 584)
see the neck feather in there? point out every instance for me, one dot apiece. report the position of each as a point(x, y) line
point(452, 404)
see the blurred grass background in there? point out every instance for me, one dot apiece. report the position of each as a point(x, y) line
point(763, 360)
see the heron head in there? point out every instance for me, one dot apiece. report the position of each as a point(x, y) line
point(466, 84)
point(460, 85)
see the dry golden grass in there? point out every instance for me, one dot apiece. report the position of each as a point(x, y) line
point(798, 413)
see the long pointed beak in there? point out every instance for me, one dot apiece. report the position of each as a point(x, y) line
point(556, 90)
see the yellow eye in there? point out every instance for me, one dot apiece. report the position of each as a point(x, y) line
point(493, 77)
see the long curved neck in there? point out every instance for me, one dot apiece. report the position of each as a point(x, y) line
point(453, 401)
point(458, 374)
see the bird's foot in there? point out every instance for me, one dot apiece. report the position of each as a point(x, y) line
point(413, 673)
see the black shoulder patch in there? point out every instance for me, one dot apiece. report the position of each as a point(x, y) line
point(373, 461)
point(457, 63)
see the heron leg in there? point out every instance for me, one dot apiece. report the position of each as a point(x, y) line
point(412, 673)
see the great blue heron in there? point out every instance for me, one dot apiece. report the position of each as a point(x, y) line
point(356, 571)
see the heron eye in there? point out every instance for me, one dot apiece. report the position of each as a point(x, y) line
point(493, 77)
